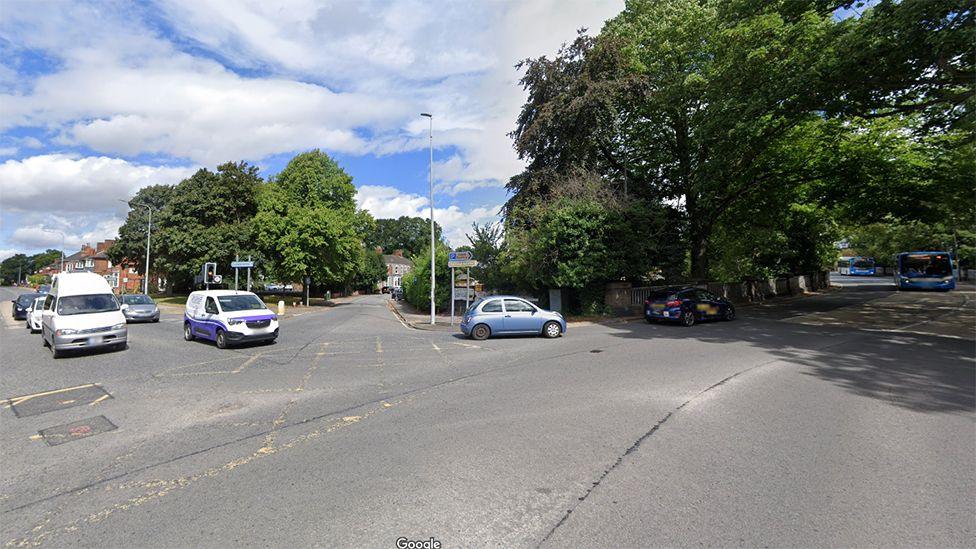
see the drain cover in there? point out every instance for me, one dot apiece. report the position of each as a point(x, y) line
point(58, 399)
point(59, 434)
point(597, 351)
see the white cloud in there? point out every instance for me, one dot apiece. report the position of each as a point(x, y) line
point(388, 202)
point(4, 254)
point(64, 184)
point(43, 236)
point(125, 89)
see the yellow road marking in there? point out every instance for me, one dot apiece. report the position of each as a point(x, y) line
point(101, 398)
point(379, 346)
point(36, 437)
point(434, 345)
point(247, 363)
point(18, 400)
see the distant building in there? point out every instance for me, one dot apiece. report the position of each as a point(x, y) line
point(396, 267)
point(124, 278)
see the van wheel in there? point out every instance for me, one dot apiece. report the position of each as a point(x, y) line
point(480, 332)
point(221, 340)
point(187, 332)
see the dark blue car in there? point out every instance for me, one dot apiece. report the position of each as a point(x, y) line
point(686, 305)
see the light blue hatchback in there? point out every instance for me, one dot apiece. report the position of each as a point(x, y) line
point(510, 315)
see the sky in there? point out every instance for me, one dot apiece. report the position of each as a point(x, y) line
point(99, 99)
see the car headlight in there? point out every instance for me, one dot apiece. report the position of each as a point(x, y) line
point(234, 322)
point(119, 326)
point(65, 332)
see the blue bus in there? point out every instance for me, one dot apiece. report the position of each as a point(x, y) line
point(924, 271)
point(862, 266)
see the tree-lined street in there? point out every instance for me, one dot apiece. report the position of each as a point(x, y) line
point(813, 420)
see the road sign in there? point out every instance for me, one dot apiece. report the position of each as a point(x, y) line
point(459, 256)
point(463, 263)
point(241, 264)
point(217, 279)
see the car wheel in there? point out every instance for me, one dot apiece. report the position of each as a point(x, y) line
point(552, 329)
point(730, 313)
point(688, 318)
point(481, 331)
point(221, 340)
point(187, 332)
point(155, 320)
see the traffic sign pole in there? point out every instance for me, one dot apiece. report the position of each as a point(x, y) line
point(452, 296)
point(467, 289)
point(236, 272)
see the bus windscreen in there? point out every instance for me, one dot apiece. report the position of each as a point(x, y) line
point(926, 265)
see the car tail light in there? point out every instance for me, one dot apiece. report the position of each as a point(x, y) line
point(675, 303)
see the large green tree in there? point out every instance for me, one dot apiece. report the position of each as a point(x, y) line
point(410, 234)
point(307, 224)
point(207, 218)
point(131, 241)
point(487, 247)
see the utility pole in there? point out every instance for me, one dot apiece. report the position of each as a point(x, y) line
point(433, 249)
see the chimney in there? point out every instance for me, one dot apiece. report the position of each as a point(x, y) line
point(102, 246)
point(87, 250)
point(398, 253)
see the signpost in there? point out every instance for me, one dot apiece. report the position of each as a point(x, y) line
point(462, 260)
point(237, 264)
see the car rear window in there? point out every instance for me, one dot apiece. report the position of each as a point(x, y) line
point(662, 296)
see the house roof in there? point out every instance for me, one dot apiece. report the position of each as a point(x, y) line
point(75, 256)
point(396, 259)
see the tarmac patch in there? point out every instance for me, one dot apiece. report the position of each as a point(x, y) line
point(58, 399)
point(60, 434)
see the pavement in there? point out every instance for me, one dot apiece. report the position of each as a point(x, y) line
point(839, 419)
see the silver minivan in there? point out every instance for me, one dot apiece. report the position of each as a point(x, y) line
point(81, 312)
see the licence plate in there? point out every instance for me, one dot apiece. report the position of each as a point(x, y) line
point(666, 313)
point(93, 340)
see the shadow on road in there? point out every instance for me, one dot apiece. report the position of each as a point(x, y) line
point(919, 372)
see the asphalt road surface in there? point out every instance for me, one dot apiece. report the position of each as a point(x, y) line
point(841, 419)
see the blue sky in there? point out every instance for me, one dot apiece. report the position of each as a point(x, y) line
point(98, 99)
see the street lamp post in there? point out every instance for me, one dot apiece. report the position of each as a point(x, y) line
point(145, 282)
point(433, 250)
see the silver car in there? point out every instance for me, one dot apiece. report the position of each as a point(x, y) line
point(510, 315)
point(140, 308)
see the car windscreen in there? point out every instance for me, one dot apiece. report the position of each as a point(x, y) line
point(87, 304)
point(137, 299)
point(926, 265)
point(863, 264)
point(230, 303)
point(25, 299)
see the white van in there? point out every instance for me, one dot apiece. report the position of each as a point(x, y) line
point(81, 312)
point(228, 316)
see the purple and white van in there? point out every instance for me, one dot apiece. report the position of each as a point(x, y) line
point(227, 317)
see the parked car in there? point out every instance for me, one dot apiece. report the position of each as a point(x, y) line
point(686, 305)
point(81, 312)
point(139, 308)
point(396, 293)
point(227, 317)
point(44, 289)
point(274, 287)
point(34, 314)
point(504, 315)
point(22, 303)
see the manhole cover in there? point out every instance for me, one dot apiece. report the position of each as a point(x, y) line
point(58, 399)
point(60, 434)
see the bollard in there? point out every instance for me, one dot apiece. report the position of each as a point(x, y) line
point(281, 307)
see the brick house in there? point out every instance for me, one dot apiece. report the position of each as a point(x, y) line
point(396, 267)
point(123, 278)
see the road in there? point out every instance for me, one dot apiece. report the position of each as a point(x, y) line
point(841, 419)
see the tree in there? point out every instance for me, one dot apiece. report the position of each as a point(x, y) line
point(10, 267)
point(307, 223)
point(370, 270)
point(131, 242)
point(45, 258)
point(487, 245)
point(410, 234)
point(416, 283)
point(208, 218)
